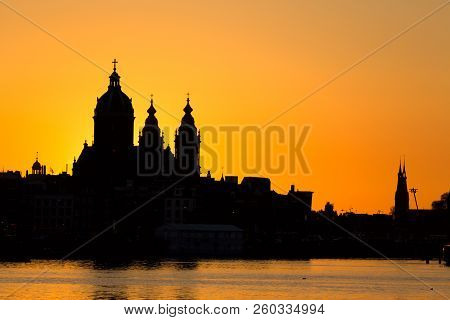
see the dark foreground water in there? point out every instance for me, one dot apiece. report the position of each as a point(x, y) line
point(224, 279)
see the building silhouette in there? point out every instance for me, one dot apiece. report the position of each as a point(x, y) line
point(112, 177)
point(112, 159)
point(401, 208)
point(44, 214)
point(187, 144)
point(37, 168)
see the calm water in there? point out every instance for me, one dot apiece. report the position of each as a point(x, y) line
point(223, 279)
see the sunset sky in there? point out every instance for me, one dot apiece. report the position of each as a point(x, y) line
point(244, 62)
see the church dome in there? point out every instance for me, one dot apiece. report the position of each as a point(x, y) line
point(36, 165)
point(114, 100)
point(188, 119)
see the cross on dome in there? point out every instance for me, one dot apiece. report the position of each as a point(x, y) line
point(114, 63)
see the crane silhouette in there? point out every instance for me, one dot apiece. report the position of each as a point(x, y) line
point(414, 191)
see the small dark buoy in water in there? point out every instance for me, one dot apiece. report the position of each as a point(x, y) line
point(304, 278)
point(428, 261)
point(431, 288)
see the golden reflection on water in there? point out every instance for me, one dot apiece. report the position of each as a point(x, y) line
point(222, 279)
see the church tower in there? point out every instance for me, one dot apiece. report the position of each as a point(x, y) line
point(110, 159)
point(401, 194)
point(113, 118)
point(150, 145)
point(187, 145)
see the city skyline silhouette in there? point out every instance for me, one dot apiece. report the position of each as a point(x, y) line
point(394, 103)
point(131, 195)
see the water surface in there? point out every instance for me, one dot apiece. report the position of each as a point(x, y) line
point(223, 279)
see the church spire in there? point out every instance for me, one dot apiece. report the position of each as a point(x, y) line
point(401, 194)
point(188, 119)
point(187, 144)
point(151, 119)
point(151, 109)
point(114, 78)
point(114, 63)
point(188, 109)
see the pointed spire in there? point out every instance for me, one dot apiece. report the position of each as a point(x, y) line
point(151, 119)
point(187, 118)
point(400, 166)
point(188, 109)
point(151, 109)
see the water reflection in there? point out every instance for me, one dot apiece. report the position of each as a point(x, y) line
point(111, 264)
point(221, 279)
point(185, 265)
point(109, 293)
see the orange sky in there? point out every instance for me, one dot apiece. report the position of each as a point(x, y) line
point(244, 62)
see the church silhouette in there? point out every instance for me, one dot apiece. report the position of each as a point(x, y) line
point(145, 199)
point(113, 159)
point(401, 208)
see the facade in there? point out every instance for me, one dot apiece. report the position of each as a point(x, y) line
point(202, 239)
